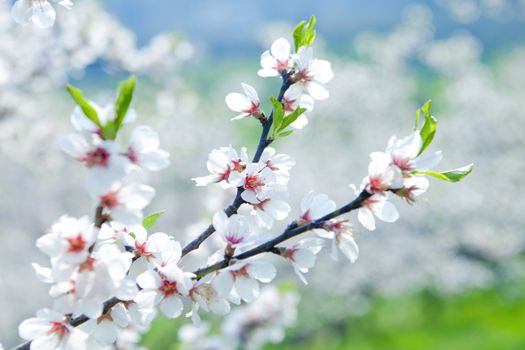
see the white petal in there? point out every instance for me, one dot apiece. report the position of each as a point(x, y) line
point(388, 213)
point(74, 145)
point(105, 333)
point(317, 90)
point(148, 280)
point(261, 270)
point(247, 288)
point(348, 246)
point(428, 161)
point(155, 160)
point(47, 342)
point(144, 139)
point(219, 306)
point(281, 49)
point(223, 283)
point(171, 307)
point(33, 328)
point(366, 218)
point(304, 258)
point(250, 92)
point(237, 102)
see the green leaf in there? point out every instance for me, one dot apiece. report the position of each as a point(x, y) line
point(304, 34)
point(455, 175)
point(150, 220)
point(284, 133)
point(126, 89)
point(429, 127)
point(278, 115)
point(290, 118)
point(89, 111)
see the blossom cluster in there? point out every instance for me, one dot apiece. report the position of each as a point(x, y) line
point(111, 275)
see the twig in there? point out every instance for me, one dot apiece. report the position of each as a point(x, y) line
point(291, 231)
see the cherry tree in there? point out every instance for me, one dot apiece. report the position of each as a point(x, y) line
point(114, 274)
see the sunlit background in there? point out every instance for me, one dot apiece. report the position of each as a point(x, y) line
point(449, 274)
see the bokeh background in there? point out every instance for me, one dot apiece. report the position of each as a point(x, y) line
point(448, 274)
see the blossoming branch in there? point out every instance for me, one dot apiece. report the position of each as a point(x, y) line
point(114, 274)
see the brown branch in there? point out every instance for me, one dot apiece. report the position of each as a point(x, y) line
point(291, 231)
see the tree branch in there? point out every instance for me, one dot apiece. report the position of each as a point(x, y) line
point(291, 231)
point(263, 143)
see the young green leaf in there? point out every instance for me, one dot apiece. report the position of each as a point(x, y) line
point(278, 115)
point(290, 118)
point(150, 220)
point(122, 104)
point(429, 127)
point(455, 175)
point(304, 34)
point(89, 111)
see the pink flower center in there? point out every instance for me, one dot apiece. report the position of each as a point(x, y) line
point(288, 105)
point(98, 157)
point(378, 185)
point(405, 164)
point(281, 65)
point(59, 328)
point(253, 183)
point(168, 288)
point(232, 239)
point(76, 244)
point(242, 272)
point(132, 155)
point(304, 75)
point(88, 265)
point(237, 165)
point(306, 216)
point(253, 110)
point(109, 200)
point(142, 249)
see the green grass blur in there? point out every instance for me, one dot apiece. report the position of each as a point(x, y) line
point(483, 319)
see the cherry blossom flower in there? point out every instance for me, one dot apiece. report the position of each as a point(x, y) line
point(103, 159)
point(294, 98)
point(256, 180)
point(144, 151)
point(124, 202)
point(40, 12)
point(204, 296)
point(271, 206)
point(377, 205)
point(382, 175)
point(405, 154)
point(102, 276)
point(339, 231)
point(312, 74)
point(247, 104)
point(314, 206)
point(302, 255)
point(413, 186)
point(280, 164)
point(164, 289)
point(222, 163)
point(69, 240)
point(240, 279)
point(235, 230)
point(50, 331)
point(276, 61)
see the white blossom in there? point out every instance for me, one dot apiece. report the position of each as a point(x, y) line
point(246, 104)
point(276, 61)
point(49, 331)
point(312, 74)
